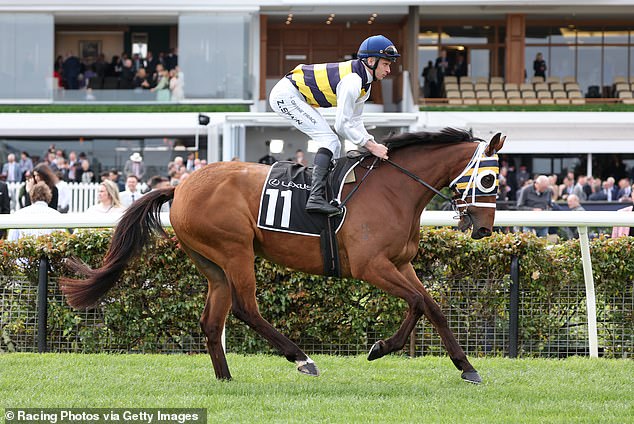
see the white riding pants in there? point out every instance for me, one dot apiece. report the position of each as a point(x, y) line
point(287, 101)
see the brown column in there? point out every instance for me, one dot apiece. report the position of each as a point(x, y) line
point(263, 46)
point(515, 40)
point(411, 49)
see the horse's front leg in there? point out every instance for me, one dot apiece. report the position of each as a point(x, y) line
point(384, 275)
point(435, 315)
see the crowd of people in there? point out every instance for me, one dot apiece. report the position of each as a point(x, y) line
point(518, 190)
point(435, 72)
point(160, 75)
point(56, 170)
point(119, 189)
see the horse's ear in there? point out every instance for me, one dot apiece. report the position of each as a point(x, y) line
point(495, 144)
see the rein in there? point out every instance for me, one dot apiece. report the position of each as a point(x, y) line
point(418, 180)
point(460, 209)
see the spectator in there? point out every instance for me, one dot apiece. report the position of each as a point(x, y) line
point(536, 197)
point(574, 205)
point(539, 66)
point(430, 81)
point(171, 61)
point(71, 68)
point(101, 66)
point(11, 171)
point(578, 189)
point(137, 62)
point(43, 172)
point(5, 203)
point(625, 231)
point(40, 194)
point(442, 67)
point(113, 175)
point(191, 161)
point(140, 80)
point(554, 188)
point(150, 63)
point(108, 199)
point(113, 69)
point(594, 187)
point(26, 163)
point(175, 86)
point(522, 176)
point(85, 174)
point(132, 191)
point(176, 166)
point(267, 159)
point(135, 166)
point(126, 79)
point(625, 190)
point(567, 188)
point(608, 192)
point(22, 193)
point(162, 88)
point(64, 192)
point(300, 158)
point(73, 165)
point(460, 67)
point(503, 189)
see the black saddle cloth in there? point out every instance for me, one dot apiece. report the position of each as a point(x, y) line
point(286, 190)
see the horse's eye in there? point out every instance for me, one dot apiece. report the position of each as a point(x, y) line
point(488, 181)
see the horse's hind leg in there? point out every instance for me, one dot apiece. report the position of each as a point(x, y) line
point(241, 276)
point(215, 313)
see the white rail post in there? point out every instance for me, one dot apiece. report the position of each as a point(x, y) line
point(591, 301)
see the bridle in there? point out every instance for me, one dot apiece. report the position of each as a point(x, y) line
point(468, 184)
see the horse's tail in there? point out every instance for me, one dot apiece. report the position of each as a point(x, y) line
point(134, 230)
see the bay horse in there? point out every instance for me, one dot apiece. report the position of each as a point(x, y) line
point(214, 216)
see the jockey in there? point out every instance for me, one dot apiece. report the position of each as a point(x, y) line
point(343, 84)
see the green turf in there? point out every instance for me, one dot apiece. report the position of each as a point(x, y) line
point(350, 390)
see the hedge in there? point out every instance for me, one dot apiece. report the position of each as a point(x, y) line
point(160, 297)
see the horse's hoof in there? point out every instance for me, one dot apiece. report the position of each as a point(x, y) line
point(375, 351)
point(308, 368)
point(471, 377)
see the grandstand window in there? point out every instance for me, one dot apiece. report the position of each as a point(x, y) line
point(615, 63)
point(562, 61)
point(214, 52)
point(26, 47)
point(589, 67)
point(595, 54)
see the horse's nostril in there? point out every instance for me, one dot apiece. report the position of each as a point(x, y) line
point(481, 233)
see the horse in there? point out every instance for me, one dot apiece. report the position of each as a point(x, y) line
point(214, 216)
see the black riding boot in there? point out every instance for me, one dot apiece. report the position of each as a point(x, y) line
point(317, 201)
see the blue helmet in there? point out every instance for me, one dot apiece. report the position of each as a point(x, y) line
point(378, 46)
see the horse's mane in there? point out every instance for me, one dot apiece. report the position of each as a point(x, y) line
point(446, 135)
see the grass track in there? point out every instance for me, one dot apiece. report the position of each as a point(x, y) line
point(350, 390)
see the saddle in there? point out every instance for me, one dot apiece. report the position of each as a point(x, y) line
point(283, 201)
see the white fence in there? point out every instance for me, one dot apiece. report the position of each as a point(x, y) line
point(581, 220)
